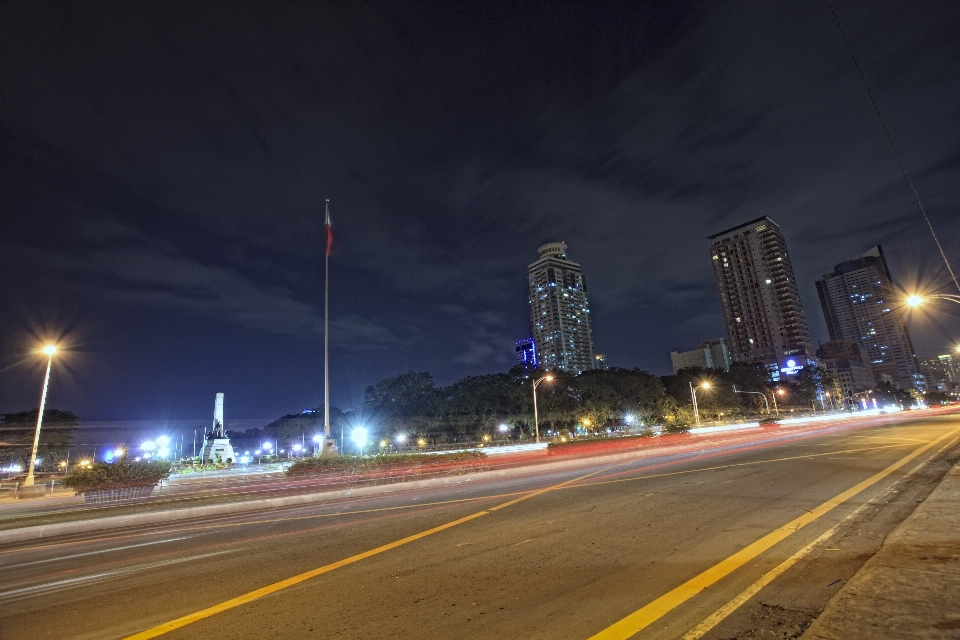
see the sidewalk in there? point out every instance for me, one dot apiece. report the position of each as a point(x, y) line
point(911, 587)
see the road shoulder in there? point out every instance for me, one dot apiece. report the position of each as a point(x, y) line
point(909, 588)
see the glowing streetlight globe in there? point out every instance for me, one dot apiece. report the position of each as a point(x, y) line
point(317, 438)
point(504, 428)
point(914, 300)
point(401, 438)
point(359, 436)
point(49, 350)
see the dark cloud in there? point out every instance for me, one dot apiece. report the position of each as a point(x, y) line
point(163, 170)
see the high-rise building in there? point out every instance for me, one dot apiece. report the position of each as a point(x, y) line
point(760, 299)
point(559, 311)
point(857, 300)
point(527, 353)
point(710, 354)
point(600, 362)
point(939, 374)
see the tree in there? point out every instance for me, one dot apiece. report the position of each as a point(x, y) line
point(56, 436)
point(401, 398)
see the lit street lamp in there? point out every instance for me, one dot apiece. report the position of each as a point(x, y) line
point(693, 395)
point(359, 437)
point(536, 417)
point(49, 350)
point(915, 300)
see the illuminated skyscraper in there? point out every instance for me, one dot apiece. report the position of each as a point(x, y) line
point(559, 312)
point(760, 299)
point(857, 301)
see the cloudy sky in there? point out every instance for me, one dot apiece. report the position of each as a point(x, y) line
point(163, 169)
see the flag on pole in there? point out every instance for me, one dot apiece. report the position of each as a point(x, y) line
point(328, 228)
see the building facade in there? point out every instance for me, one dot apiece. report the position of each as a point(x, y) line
point(858, 305)
point(710, 354)
point(527, 353)
point(844, 362)
point(940, 374)
point(559, 312)
point(760, 299)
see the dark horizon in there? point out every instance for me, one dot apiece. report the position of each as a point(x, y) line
point(163, 172)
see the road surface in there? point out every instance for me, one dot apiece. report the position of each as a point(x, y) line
point(649, 547)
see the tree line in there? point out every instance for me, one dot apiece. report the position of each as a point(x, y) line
point(412, 404)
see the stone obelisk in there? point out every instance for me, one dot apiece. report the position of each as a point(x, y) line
point(216, 444)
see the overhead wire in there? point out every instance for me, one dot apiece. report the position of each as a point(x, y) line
point(886, 130)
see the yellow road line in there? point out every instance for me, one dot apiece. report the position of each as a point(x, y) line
point(289, 582)
point(643, 617)
point(720, 614)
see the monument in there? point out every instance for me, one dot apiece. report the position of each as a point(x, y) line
point(216, 444)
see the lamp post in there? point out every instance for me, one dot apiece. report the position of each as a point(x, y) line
point(915, 300)
point(774, 396)
point(49, 350)
point(693, 395)
point(536, 416)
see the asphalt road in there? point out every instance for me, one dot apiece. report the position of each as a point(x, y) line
point(655, 545)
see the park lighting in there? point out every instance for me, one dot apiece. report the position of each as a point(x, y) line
point(504, 428)
point(486, 437)
point(536, 416)
point(317, 438)
point(401, 438)
point(586, 422)
point(268, 446)
point(163, 441)
point(383, 443)
point(257, 452)
point(149, 445)
point(693, 395)
point(118, 452)
point(629, 418)
point(359, 437)
point(296, 448)
point(421, 442)
point(48, 351)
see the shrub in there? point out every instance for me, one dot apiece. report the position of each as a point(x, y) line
point(103, 475)
point(556, 445)
point(342, 463)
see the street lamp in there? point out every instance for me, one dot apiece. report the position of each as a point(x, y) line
point(536, 417)
point(49, 350)
point(915, 300)
point(359, 437)
point(693, 394)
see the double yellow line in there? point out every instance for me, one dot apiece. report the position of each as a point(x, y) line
point(626, 627)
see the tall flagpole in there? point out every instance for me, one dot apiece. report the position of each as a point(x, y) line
point(326, 331)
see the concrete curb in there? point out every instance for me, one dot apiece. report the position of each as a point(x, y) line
point(909, 588)
point(37, 532)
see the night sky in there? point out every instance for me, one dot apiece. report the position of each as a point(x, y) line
point(163, 170)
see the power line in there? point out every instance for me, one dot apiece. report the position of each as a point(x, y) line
point(893, 144)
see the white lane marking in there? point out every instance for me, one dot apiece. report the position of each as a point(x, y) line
point(40, 589)
point(91, 553)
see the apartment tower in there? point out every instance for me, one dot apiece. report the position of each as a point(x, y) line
point(559, 312)
point(858, 305)
point(760, 299)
